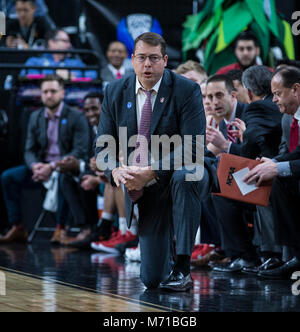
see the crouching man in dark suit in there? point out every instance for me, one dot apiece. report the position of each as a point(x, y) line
point(155, 101)
point(54, 132)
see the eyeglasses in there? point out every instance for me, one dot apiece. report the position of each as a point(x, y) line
point(152, 58)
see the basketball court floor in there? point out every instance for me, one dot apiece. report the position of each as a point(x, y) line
point(37, 277)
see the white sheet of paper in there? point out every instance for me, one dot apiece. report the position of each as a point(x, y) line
point(243, 186)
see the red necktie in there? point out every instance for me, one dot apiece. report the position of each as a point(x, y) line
point(140, 156)
point(119, 75)
point(229, 135)
point(294, 135)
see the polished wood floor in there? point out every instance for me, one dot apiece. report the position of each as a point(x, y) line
point(38, 277)
point(27, 293)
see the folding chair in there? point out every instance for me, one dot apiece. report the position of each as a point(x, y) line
point(38, 228)
point(47, 208)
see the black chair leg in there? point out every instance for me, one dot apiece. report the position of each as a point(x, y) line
point(37, 225)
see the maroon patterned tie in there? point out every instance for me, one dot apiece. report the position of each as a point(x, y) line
point(294, 135)
point(229, 135)
point(119, 75)
point(140, 156)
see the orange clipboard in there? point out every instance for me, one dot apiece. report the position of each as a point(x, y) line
point(230, 164)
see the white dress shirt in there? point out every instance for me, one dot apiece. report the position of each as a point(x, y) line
point(115, 70)
point(141, 97)
point(297, 114)
point(233, 116)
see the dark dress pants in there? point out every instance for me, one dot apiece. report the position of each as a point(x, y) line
point(285, 197)
point(82, 203)
point(208, 224)
point(236, 240)
point(166, 213)
point(13, 181)
point(264, 230)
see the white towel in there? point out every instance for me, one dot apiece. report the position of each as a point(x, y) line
point(51, 198)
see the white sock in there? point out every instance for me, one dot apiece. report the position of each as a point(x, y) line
point(198, 237)
point(122, 225)
point(134, 226)
point(107, 216)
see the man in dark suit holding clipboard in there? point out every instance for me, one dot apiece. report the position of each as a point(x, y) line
point(285, 171)
point(230, 216)
point(155, 101)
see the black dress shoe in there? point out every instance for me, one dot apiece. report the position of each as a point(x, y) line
point(177, 282)
point(236, 266)
point(283, 272)
point(269, 264)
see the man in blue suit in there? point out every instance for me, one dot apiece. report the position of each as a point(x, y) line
point(155, 101)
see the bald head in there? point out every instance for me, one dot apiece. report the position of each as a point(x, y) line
point(285, 87)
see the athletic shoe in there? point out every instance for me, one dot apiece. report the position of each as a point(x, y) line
point(201, 252)
point(116, 239)
point(127, 245)
point(133, 254)
point(196, 251)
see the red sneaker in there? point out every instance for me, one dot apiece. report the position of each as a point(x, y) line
point(109, 245)
point(196, 251)
point(206, 248)
point(96, 245)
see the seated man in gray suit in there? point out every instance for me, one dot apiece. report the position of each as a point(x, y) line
point(115, 69)
point(154, 102)
point(54, 132)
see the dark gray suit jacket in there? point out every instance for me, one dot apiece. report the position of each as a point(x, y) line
point(263, 130)
point(285, 155)
point(73, 135)
point(286, 128)
point(178, 110)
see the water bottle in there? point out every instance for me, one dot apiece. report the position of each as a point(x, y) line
point(100, 206)
point(8, 82)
